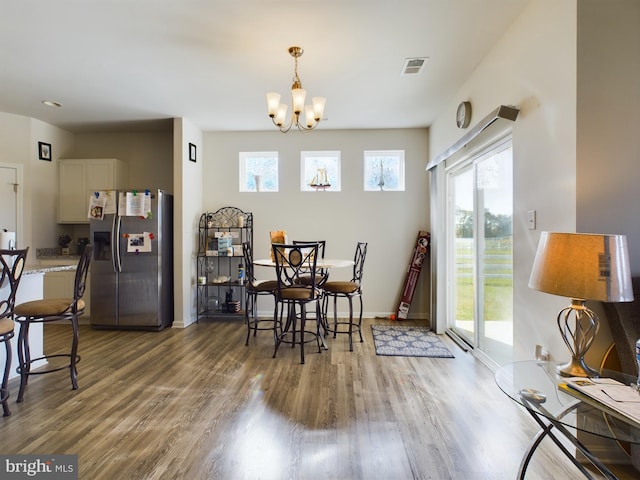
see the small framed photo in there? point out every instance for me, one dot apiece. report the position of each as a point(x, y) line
point(44, 151)
point(192, 152)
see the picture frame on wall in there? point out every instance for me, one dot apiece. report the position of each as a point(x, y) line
point(192, 152)
point(44, 151)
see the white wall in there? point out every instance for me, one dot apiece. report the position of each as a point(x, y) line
point(149, 154)
point(14, 151)
point(188, 187)
point(388, 221)
point(19, 137)
point(41, 184)
point(532, 67)
point(608, 141)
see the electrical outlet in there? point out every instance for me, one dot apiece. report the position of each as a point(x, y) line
point(531, 219)
point(541, 354)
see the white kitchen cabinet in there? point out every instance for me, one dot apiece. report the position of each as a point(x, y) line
point(79, 178)
point(59, 284)
point(31, 285)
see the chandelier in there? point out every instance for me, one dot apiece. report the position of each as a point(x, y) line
point(278, 111)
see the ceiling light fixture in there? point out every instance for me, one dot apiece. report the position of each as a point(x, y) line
point(278, 111)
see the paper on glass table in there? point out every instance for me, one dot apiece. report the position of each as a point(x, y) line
point(617, 397)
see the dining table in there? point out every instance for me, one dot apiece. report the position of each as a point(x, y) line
point(320, 263)
point(325, 263)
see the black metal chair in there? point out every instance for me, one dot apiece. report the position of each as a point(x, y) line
point(13, 262)
point(255, 288)
point(323, 273)
point(44, 311)
point(291, 261)
point(349, 290)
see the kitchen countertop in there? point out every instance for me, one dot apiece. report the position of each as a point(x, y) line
point(71, 258)
point(34, 270)
point(55, 254)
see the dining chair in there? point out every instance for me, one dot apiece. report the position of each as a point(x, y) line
point(290, 261)
point(50, 310)
point(13, 262)
point(349, 290)
point(255, 288)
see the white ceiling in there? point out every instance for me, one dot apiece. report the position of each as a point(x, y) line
point(112, 62)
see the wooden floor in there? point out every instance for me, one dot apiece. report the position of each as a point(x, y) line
point(196, 403)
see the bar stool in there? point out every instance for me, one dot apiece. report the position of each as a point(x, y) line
point(348, 290)
point(45, 311)
point(12, 267)
point(254, 289)
point(290, 261)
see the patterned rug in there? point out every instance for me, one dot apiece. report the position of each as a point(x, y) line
point(402, 341)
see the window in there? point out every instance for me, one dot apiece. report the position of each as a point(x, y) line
point(320, 171)
point(384, 170)
point(258, 171)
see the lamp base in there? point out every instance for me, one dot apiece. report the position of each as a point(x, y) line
point(576, 368)
point(578, 326)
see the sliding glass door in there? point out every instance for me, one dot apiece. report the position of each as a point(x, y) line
point(480, 251)
point(462, 295)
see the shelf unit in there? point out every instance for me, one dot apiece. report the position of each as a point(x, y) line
point(216, 296)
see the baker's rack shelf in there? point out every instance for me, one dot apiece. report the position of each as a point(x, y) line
point(220, 293)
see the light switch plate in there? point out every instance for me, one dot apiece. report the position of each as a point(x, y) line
point(531, 219)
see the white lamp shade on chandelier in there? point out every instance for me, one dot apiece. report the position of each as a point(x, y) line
point(278, 111)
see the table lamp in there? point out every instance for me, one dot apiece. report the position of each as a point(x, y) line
point(582, 267)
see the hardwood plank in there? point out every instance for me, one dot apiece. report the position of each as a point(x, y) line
point(197, 403)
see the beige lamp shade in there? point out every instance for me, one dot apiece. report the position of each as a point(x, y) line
point(583, 266)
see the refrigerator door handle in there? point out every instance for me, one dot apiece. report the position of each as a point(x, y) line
point(116, 240)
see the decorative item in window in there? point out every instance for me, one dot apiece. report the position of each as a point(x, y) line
point(192, 152)
point(381, 181)
point(384, 170)
point(320, 171)
point(44, 151)
point(258, 172)
point(257, 181)
point(320, 180)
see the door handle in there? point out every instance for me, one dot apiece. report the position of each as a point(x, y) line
point(117, 223)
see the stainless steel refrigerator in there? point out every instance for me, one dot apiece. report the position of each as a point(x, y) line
point(132, 266)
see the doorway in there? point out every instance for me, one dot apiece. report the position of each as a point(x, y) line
point(480, 251)
point(10, 218)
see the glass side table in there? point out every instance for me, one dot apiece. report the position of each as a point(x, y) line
point(534, 385)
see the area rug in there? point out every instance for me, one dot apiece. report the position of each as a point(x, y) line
point(403, 341)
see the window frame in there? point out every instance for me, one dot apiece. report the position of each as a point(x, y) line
point(372, 163)
point(308, 171)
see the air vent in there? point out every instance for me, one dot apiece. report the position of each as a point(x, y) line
point(413, 66)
